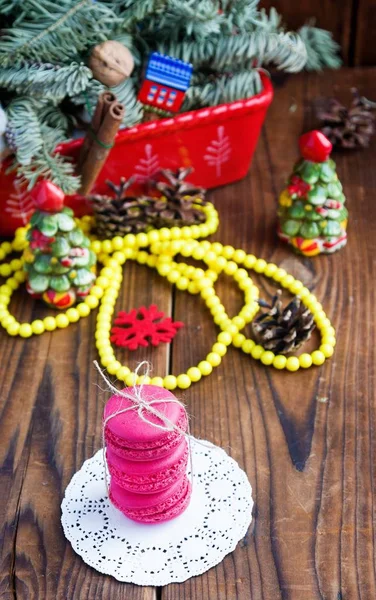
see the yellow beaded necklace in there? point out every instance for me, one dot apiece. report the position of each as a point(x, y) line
point(164, 244)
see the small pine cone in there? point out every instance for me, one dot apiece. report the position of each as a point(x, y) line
point(348, 127)
point(283, 330)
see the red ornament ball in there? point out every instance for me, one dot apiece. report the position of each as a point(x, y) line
point(48, 197)
point(315, 146)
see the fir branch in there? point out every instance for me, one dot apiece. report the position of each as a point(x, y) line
point(24, 123)
point(46, 81)
point(322, 50)
point(133, 12)
point(195, 18)
point(54, 167)
point(223, 89)
point(55, 31)
point(228, 53)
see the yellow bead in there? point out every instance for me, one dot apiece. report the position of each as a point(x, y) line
point(7, 247)
point(113, 367)
point(328, 339)
point(20, 276)
point(279, 362)
point(96, 291)
point(16, 264)
point(296, 287)
point(305, 360)
point(205, 367)
point(228, 252)
point(49, 323)
point(103, 282)
point(279, 274)
point(107, 272)
point(153, 236)
point(165, 234)
point(267, 357)
point(198, 253)
point(260, 265)
point(230, 328)
point(270, 269)
point(225, 338)
point(173, 276)
point(239, 256)
point(194, 374)
point(142, 240)
point(287, 280)
point(318, 357)
point(238, 322)
point(163, 269)
point(96, 246)
point(122, 372)
point(214, 359)
point(117, 243)
point(169, 382)
point(130, 379)
point(107, 246)
point(130, 240)
point(292, 363)
point(327, 350)
point(119, 257)
point(2, 254)
point(5, 270)
point(192, 288)
point(37, 327)
point(73, 315)
point(7, 320)
point(13, 329)
point(257, 351)
point(183, 382)
point(182, 283)
point(247, 346)
point(25, 330)
point(158, 381)
point(91, 301)
point(112, 264)
point(230, 268)
point(62, 321)
point(238, 340)
point(219, 348)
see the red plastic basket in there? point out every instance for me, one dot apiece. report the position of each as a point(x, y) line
point(217, 142)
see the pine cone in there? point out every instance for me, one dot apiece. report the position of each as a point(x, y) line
point(179, 201)
point(122, 214)
point(283, 330)
point(348, 127)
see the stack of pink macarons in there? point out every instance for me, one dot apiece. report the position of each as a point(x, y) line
point(148, 465)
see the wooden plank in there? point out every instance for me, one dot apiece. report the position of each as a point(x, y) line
point(50, 423)
point(306, 440)
point(334, 15)
point(364, 49)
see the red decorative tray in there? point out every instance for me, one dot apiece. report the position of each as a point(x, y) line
point(217, 142)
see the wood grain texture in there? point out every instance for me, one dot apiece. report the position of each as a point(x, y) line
point(306, 440)
point(365, 26)
point(338, 16)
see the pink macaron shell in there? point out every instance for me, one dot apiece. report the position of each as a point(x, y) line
point(135, 432)
point(150, 476)
point(170, 507)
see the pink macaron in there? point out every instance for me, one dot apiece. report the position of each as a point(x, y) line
point(149, 476)
point(131, 438)
point(153, 508)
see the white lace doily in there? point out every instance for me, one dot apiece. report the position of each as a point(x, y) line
point(217, 517)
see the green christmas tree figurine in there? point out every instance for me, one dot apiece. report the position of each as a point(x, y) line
point(312, 216)
point(59, 264)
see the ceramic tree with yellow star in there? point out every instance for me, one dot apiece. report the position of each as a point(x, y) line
point(312, 215)
point(59, 263)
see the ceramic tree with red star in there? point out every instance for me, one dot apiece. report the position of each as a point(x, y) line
point(312, 215)
point(59, 263)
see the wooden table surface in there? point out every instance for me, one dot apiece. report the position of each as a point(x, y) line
point(307, 440)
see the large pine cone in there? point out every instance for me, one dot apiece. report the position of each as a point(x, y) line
point(283, 330)
point(348, 127)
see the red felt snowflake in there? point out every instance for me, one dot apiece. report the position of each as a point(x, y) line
point(298, 187)
point(143, 325)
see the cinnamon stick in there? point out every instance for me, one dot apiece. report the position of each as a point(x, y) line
point(103, 102)
point(102, 141)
